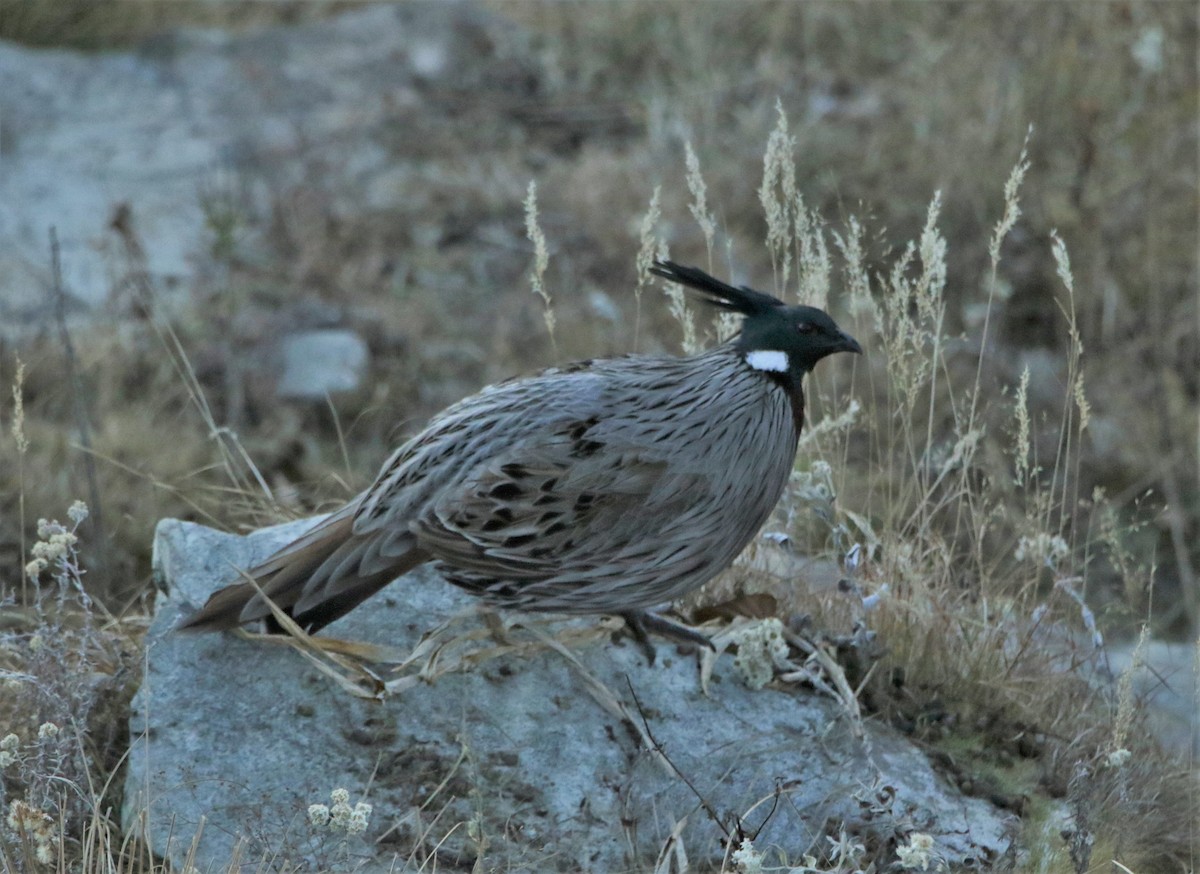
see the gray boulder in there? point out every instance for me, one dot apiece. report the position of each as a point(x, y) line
point(535, 756)
point(321, 362)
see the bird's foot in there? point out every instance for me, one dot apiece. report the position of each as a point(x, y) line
point(641, 623)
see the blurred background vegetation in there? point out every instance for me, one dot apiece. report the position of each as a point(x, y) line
point(888, 103)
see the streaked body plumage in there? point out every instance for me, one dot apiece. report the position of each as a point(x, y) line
point(605, 486)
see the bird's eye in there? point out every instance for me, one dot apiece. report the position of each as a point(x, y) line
point(805, 327)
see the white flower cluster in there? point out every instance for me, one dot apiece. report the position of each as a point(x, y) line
point(77, 512)
point(1043, 549)
point(761, 646)
point(1117, 758)
point(917, 853)
point(57, 543)
point(340, 816)
point(815, 486)
point(35, 826)
point(746, 859)
point(8, 750)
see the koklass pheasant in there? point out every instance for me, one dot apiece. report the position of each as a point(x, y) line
point(608, 486)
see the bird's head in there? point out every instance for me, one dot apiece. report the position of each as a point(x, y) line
point(776, 338)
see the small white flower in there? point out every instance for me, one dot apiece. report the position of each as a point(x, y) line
point(339, 816)
point(44, 853)
point(47, 731)
point(339, 796)
point(1117, 758)
point(746, 859)
point(63, 540)
point(359, 819)
point(77, 512)
point(9, 742)
point(917, 853)
point(815, 485)
point(6, 759)
point(34, 569)
point(318, 815)
point(1042, 549)
point(760, 647)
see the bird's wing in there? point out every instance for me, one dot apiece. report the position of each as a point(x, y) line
point(473, 432)
point(566, 497)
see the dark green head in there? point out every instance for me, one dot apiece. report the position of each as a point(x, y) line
point(788, 340)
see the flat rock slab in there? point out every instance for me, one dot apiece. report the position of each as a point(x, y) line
point(515, 764)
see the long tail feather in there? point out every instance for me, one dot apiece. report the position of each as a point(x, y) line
point(293, 579)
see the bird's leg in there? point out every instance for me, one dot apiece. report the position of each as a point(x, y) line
point(641, 622)
point(637, 630)
point(497, 628)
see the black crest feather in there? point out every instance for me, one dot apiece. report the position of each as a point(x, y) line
point(716, 293)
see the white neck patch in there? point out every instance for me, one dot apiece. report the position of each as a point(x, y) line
point(768, 359)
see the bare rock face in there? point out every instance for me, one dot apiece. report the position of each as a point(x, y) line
point(135, 157)
point(533, 756)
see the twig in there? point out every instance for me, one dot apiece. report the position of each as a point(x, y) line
point(78, 405)
point(658, 748)
point(1176, 523)
point(143, 289)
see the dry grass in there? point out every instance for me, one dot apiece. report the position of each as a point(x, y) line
point(968, 564)
point(1017, 457)
point(108, 24)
